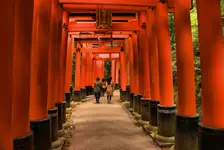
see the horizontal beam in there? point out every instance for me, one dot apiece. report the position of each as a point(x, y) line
point(101, 50)
point(90, 18)
point(93, 7)
point(113, 32)
point(116, 4)
point(85, 27)
point(99, 36)
point(113, 2)
point(107, 58)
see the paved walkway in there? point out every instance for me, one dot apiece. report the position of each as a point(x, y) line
point(107, 127)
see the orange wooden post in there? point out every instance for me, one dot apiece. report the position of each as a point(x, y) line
point(123, 74)
point(145, 78)
point(94, 71)
point(132, 77)
point(77, 75)
point(154, 67)
point(59, 103)
point(136, 101)
point(186, 116)
point(21, 78)
point(212, 73)
point(103, 69)
point(7, 29)
point(117, 66)
point(68, 71)
point(83, 76)
point(52, 110)
point(113, 70)
point(63, 50)
point(39, 121)
point(165, 70)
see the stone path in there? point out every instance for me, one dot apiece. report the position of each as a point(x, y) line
point(107, 127)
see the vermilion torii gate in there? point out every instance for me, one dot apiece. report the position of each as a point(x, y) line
point(36, 61)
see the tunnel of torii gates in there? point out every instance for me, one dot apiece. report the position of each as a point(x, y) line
point(36, 62)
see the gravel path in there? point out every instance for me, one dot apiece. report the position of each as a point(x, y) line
point(107, 127)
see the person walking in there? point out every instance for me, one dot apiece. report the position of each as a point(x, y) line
point(109, 87)
point(97, 89)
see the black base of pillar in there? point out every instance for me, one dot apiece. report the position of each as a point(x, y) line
point(145, 114)
point(135, 103)
point(210, 138)
point(186, 133)
point(123, 95)
point(68, 99)
point(83, 93)
point(127, 92)
point(53, 113)
point(23, 143)
point(71, 90)
point(77, 95)
point(117, 86)
point(166, 120)
point(61, 115)
point(91, 90)
point(153, 112)
point(139, 110)
point(87, 90)
point(131, 100)
point(64, 112)
point(42, 134)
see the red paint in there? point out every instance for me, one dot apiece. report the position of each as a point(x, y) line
point(69, 61)
point(185, 60)
point(52, 61)
point(212, 64)
point(164, 55)
point(136, 64)
point(153, 56)
point(21, 68)
point(125, 26)
point(39, 60)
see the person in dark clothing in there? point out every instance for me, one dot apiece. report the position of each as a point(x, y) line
point(97, 89)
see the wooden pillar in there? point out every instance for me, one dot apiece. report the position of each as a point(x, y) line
point(117, 66)
point(136, 101)
point(77, 75)
point(186, 117)
point(68, 71)
point(123, 72)
point(154, 67)
point(39, 120)
point(165, 124)
point(64, 42)
point(83, 76)
point(94, 71)
point(113, 70)
point(131, 66)
point(59, 103)
point(103, 67)
point(7, 13)
point(212, 72)
point(52, 110)
point(21, 77)
point(145, 78)
point(83, 83)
